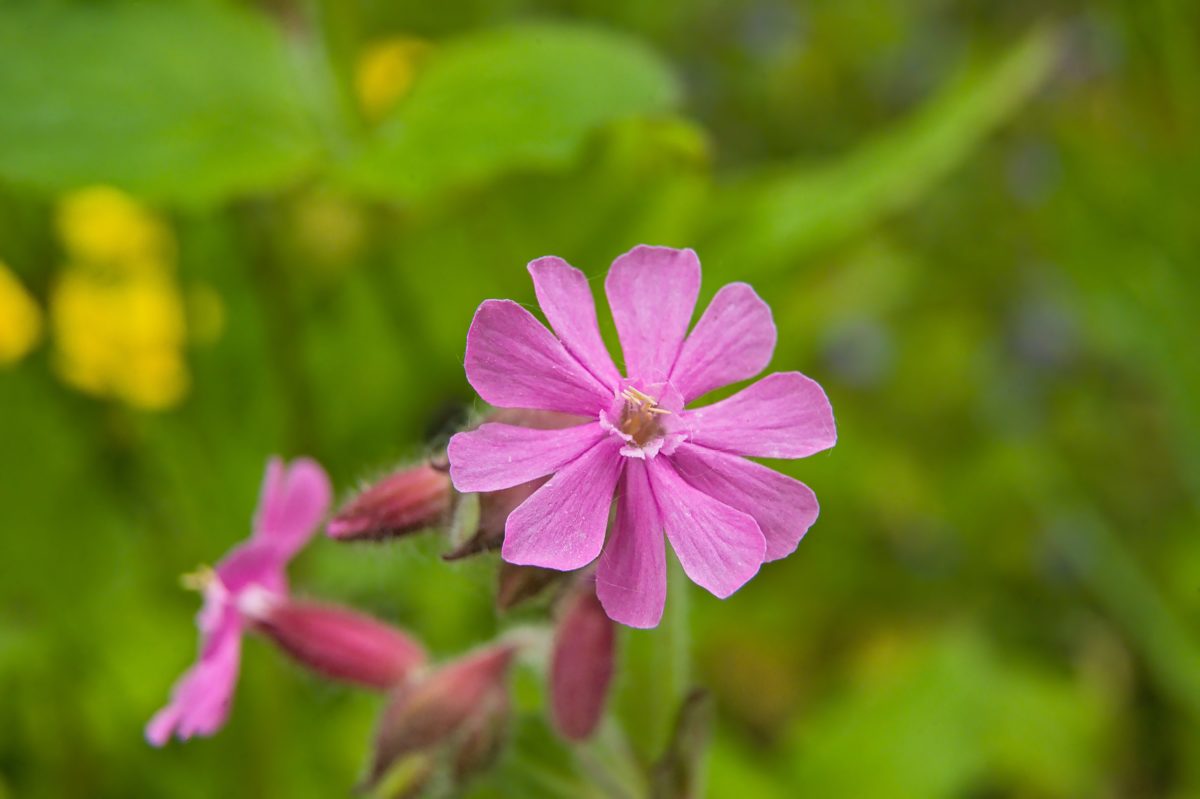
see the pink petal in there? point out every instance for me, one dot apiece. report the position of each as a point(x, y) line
point(784, 415)
point(784, 508)
point(631, 578)
point(515, 362)
point(271, 490)
point(495, 456)
point(253, 562)
point(652, 292)
point(566, 300)
point(562, 525)
point(719, 548)
point(293, 503)
point(733, 341)
point(201, 698)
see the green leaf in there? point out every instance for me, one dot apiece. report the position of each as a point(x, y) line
point(515, 98)
point(188, 103)
point(768, 219)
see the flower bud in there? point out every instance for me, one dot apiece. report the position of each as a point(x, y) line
point(581, 665)
point(448, 703)
point(405, 501)
point(335, 642)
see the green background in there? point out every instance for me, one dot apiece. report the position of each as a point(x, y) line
point(975, 223)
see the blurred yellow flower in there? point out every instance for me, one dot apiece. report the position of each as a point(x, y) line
point(386, 71)
point(20, 318)
point(104, 225)
point(120, 337)
point(116, 310)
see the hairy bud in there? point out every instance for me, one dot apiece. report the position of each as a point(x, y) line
point(403, 502)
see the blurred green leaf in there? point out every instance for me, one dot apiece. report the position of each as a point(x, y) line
point(766, 220)
point(521, 97)
point(938, 718)
point(189, 103)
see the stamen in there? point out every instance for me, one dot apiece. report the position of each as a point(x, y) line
point(198, 580)
point(638, 418)
point(633, 395)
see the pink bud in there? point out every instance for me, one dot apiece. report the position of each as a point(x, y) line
point(403, 502)
point(446, 703)
point(335, 642)
point(581, 665)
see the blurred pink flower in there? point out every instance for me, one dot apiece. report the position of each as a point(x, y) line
point(293, 502)
point(675, 470)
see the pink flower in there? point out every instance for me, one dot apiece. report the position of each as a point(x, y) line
point(676, 470)
point(293, 501)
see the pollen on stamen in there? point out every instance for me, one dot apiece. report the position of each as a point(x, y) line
point(640, 398)
point(639, 420)
point(199, 579)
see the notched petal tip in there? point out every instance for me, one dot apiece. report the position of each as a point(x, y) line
point(513, 361)
point(652, 293)
point(783, 415)
point(734, 340)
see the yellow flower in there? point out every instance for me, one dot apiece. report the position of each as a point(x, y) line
point(20, 318)
point(120, 337)
point(386, 71)
point(116, 310)
point(104, 225)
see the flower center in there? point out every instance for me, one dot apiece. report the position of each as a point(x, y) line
point(641, 416)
